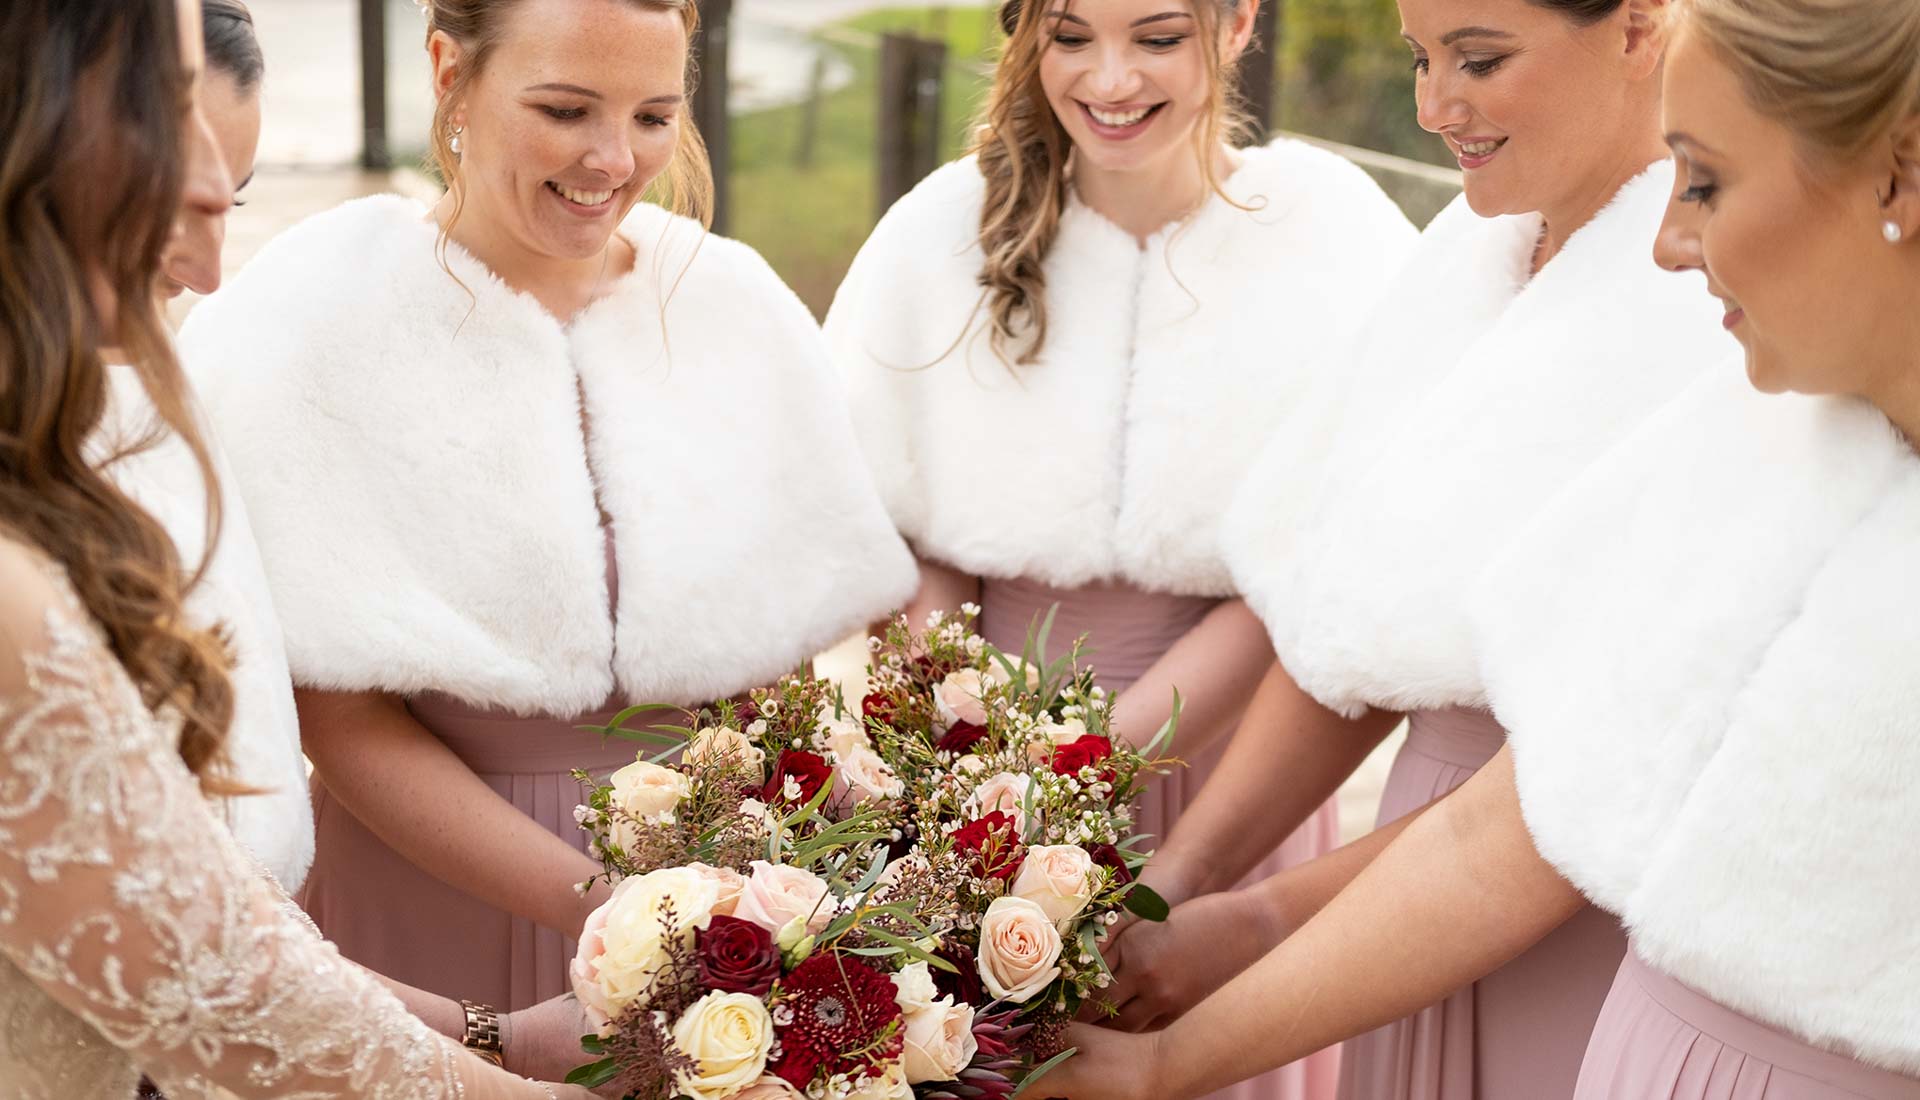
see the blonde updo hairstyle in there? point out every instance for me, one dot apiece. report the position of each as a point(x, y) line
point(1839, 74)
point(686, 187)
point(1022, 151)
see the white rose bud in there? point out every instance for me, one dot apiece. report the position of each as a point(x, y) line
point(720, 744)
point(913, 987)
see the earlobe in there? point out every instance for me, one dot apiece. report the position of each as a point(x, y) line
point(1900, 202)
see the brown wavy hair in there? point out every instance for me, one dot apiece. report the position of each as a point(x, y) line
point(93, 99)
point(686, 187)
point(1023, 150)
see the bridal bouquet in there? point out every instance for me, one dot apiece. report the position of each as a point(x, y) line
point(896, 898)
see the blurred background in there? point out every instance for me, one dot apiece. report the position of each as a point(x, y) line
point(820, 111)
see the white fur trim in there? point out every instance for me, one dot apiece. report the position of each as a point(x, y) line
point(1708, 654)
point(263, 742)
point(425, 502)
point(1113, 455)
point(1472, 395)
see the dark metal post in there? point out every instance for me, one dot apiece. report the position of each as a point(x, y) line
point(374, 153)
point(710, 101)
point(1257, 68)
point(912, 74)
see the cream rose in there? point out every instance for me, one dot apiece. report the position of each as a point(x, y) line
point(728, 885)
point(1058, 878)
point(716, 744)
point(1005, 792)
point(728, 1035)
point(958, 698)
point(624, 943)
point(891, 1085)
point(841, 736)
point(648, 792)
point(777, 894)
point(863, 775)
point(1064, 732)
point(913, 988)
point(1026, 671)
point(771, 1088)
point(939, 1042)
point(1019, 947)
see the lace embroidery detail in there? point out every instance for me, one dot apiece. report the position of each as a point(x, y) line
point(139, 935)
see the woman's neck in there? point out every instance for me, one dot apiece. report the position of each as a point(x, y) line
point(1146, 200)
point(1569, 214)
point(563, 286)
point(1898, 394)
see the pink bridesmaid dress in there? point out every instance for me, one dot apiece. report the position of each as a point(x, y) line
point(1657, 1037)
point(390, 916)
point(1519, 1033)
point(1128, 629)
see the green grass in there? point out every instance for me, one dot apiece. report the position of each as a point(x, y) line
point(809, 221)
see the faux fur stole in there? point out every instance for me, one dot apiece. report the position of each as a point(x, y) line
point(1708, 654)
point(1114, 455)
point(263, 742)
point(1469, 397)
point(411, 448)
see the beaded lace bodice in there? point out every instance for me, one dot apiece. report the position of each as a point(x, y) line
point(135, 935)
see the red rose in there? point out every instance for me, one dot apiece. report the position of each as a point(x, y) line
point(878, 707)
point(809, 769)
point(1106, 855)
point(963, 985)
point(1090, 749)
point(961, 738)
point(995, 844)
point(737, 956)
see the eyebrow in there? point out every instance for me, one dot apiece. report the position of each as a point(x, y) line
point(1068, 17)
point(1678, 138)
point(589, 93)
point(1453, 36)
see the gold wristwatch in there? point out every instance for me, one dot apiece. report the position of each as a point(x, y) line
point(483, 1032)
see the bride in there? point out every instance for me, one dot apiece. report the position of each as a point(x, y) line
point(135, 935)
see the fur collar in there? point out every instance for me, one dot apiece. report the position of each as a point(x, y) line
point(1472, 395)
point(1115, 454)
point(263, 743)
point(1706, 652)
point(412, 453)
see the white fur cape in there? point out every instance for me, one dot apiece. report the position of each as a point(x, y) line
point(263, 742)
point(1708, 654)
point(1114, 454)
point(1471, 395)
point(425, 503)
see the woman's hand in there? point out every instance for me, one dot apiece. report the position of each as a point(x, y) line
point(1107, 1065)
point(543, 1042)
point(1162, 969)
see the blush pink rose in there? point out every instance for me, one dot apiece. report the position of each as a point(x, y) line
point(776, 895)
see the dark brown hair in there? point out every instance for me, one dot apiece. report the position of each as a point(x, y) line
point(93, 98)
point(232, 46)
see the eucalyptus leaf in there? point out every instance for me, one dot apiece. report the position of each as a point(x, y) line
point(1142, 902)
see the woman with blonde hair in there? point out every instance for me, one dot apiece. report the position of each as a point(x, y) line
point(514, 461)
point(136, 936)
point(1065, 349)
point(1703, 649)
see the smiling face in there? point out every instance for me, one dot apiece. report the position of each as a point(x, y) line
point(232, 134)
point(576, 110)
point(1131, 79)
point(1537, 108)
point(1790, 241)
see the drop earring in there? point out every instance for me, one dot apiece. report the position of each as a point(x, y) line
point(453, 143)
point(1890, 229)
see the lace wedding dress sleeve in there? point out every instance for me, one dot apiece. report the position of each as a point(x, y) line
point(135, 935)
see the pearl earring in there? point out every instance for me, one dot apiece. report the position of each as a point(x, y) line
point(1890, 229)
point(453, 143)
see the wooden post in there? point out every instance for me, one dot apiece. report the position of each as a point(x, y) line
point(710, 101)
point(1257, 69)
point(912, 73)
point(810, 113)
point(374, 153)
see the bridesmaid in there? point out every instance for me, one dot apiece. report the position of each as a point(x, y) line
point(1705, 650)
point(1065, 349)
point(514, 461)
point(1485, 380)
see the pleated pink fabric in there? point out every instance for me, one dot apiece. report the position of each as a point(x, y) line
point(1128, 630)
point(1658, 1039)
point(1519, 1033)
point(387, 914)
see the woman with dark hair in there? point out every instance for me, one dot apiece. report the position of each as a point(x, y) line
point(1526, 336)
point(135, 935)
point(230, 99)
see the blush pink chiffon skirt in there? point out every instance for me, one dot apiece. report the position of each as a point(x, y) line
point(1659, 1038)
point(1520, 1032)
point(1128, 630)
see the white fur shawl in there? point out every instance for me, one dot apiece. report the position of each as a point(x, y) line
point(1708, 654)
point(1470, 396)
point(263, 743)
point(1114, 454)
point(425, 504)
